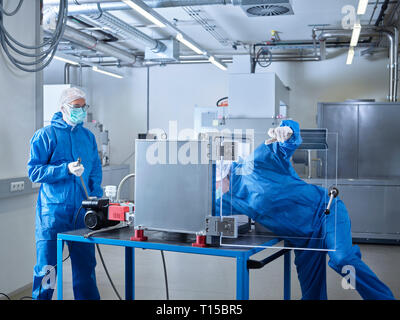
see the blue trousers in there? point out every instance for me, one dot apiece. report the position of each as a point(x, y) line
point(345, 260)
point(83, 263)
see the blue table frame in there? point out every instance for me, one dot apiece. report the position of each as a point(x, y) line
point(121, 238)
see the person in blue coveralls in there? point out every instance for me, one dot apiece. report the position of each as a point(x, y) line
point(273, 195)
point(54, 153)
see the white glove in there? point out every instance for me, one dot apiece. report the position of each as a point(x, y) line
point(280, 134)
point(75, 168)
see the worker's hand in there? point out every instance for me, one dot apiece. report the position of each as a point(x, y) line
point(76, 168)
point(280, 134)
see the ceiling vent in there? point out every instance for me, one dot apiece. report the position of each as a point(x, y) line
point(267, 8)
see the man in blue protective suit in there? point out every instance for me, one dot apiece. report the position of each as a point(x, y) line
point(273, 195)
point(54, 152)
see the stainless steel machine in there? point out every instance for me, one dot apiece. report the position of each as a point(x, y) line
point(368, 165)
point(175, 188)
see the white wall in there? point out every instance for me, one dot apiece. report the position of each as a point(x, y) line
point(17, 124)
point(120, 104)
point(176, 89)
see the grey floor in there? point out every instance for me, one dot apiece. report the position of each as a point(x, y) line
point(204, 277)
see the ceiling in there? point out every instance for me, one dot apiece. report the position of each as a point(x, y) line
point(230, 22)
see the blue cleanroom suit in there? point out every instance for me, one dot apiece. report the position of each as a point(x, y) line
point(274, 195)
point(60, 198)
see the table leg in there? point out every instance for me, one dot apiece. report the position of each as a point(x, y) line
point(287, 276)
point(59, 269)
point(129, 273)
point(242, 279)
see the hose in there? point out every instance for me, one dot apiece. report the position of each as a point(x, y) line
point(131, 175)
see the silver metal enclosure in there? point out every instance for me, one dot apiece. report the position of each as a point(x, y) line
point(368, 165)
point(173, 185)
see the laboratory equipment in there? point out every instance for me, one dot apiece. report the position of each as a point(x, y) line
point(176, 189)
point(101, 213)
point(102, 139)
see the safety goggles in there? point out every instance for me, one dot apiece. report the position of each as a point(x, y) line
point(77, 106)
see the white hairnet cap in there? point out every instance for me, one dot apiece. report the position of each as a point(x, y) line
point(71, 94)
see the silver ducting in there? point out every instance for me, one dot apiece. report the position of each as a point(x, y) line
point(150, 3)
point(86, 40)
point(88, 6)
point(92, 43)
point(391, 35)
point(125, 31)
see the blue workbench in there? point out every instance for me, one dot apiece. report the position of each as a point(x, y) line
point(121, 237)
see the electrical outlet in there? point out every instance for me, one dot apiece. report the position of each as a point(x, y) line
point(17, 186)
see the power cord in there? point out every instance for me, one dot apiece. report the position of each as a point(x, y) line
point(3, 294)
point(106, 270)
point(165, 274)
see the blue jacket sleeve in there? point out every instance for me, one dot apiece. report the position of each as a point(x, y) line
point(287, 148)
point(96, 175)
point(39, 170)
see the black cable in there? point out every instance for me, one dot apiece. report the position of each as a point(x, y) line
point(165, 274)
point(62, 12)
point(3, 294)
point(7, 41)
point(261, 53)
point(9, 14)
point(106, 270)
point(219, 101)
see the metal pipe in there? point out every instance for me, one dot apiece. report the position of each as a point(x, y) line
point(92, 43)
point(161, 3)
point(66, 73)
point(86, 40)
point(393, 50)
point(126, 31)
point(396, 62)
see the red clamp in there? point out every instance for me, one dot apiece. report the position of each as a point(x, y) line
point(139, 236)
point(200, 242)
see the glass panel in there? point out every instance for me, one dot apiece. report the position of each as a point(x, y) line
point(284, 188)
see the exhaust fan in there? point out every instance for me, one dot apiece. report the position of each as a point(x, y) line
point(265, 8)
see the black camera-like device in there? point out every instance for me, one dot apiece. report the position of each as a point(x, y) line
point(96, 216)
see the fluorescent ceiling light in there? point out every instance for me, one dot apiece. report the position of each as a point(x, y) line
point(94, 68)
point(355, 35)
point(144, 13)
point(350, 56)
point(66, 60)
point(188, 44)
point(216, 63)
point(362, 7)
